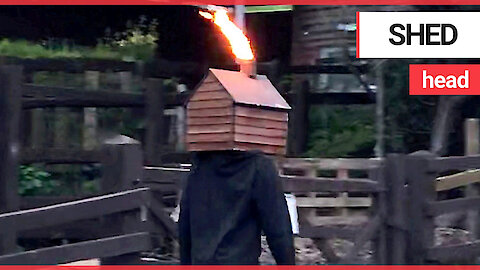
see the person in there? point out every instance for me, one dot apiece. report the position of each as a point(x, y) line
point(229, 198)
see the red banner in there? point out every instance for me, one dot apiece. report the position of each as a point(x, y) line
point(236, 267)
point(238, 2)
point(444, 79)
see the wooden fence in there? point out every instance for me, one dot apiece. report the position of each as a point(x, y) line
point(122, 167)
point(126, 220)
point(167, 180)
point(397, 195)
point(400, 218)
point(420, 184)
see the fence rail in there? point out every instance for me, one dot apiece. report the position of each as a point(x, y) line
point(72, 211)
point(100, 248)
point(60, 156)
point(168, 180)
point(68, 65)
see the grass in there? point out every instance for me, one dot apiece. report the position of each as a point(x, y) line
point(26, 49)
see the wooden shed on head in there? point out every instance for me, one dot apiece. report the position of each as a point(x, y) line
point(231, 110)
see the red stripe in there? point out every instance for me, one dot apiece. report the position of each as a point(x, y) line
point(236, 267)
point(358, 34)
point(235, 2)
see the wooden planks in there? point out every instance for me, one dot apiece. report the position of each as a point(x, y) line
point(210, 137)
point(421, 188)
point(210, 146)
point(165, 175)
point(60, 156)
point(453, 252)
point(268, 149)
point(453, 205)
point(207, 129)
point(72, 211)
point(259, 139)
point(457, 180)
point(267, 132)
point(442, 164)
point(332, 231)
point(210, 95)
point(10, 113)
point(111, 246)
point(69, 65)
point(318, 184)
point(40, 96)
point(258, 113)
point(210, 118)
point(206, 104)
point(260, 129)
point(207, 112)
point(261, 123)
point(334, 202)
point(215, 120)
point(334, 163)
point(366, 234)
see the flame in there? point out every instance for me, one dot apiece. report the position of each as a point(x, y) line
point(240, 44)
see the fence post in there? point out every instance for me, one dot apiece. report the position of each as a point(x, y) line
point(395, 183)
point(10, 110)
point(155, 133)
point(122, 169)
point(125, 81)
point(472, 140)
point(299, 127)
point(421, 190)
point(379, 206)
point(92, 82)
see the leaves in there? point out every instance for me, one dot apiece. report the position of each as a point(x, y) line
point(342, 131)
point(34, 181)
point(138, 41)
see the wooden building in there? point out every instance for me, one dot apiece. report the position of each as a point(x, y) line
point(320, 32)
point(231, 110)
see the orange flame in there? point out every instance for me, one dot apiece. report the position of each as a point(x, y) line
point(240, 44)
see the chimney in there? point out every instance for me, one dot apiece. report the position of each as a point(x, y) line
point(248, 67)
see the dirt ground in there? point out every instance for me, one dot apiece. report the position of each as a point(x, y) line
point(307, 253)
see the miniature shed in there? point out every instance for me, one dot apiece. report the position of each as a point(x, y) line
point(231, 110)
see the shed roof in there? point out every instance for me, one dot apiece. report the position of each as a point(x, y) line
point(245, 90)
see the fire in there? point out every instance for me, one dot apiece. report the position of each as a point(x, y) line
point(240, 44)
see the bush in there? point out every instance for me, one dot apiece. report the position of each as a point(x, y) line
point(33, 181)
point(137, 42)
point(342, 131)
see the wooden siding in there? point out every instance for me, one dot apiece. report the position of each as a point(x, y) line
point(261, 113)
point(260, 129)
point(258, 139)
point(268, 149)
point(210, 112)
point(315, 27)
point(215, 122)
point(210, 146)
point(262, 123)
point(194, 121)
point(221, 103)
point(268, 132)
point(210, 95)
point(210, 118)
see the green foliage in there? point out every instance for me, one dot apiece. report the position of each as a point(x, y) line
point(33, 181)
point(408, 119)
point(27, 49)
point(341, 131)
point(138, 41)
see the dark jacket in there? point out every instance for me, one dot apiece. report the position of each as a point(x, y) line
point(229, 198)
